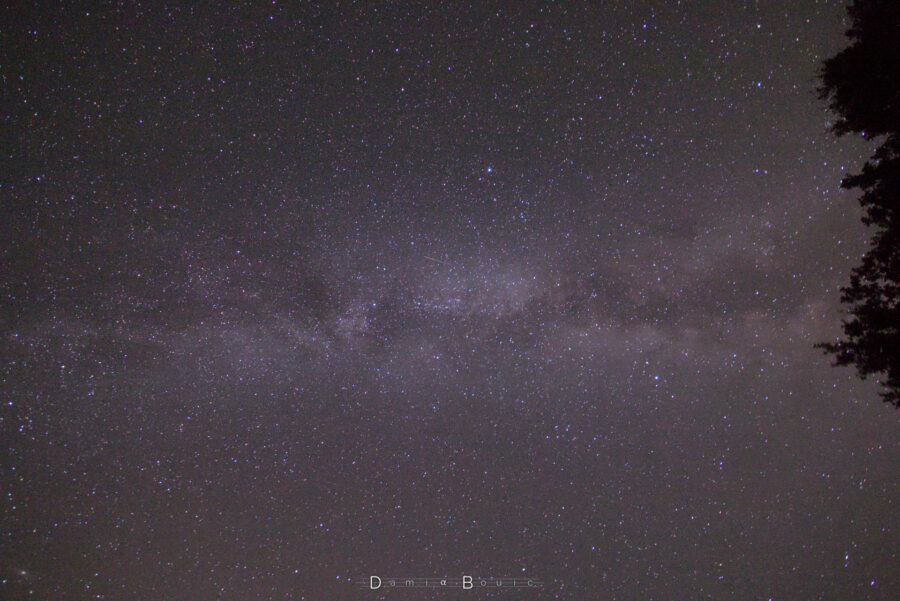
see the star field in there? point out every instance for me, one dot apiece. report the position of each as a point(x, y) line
point(298, 293)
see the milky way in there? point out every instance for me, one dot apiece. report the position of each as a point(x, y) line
point(297, 295)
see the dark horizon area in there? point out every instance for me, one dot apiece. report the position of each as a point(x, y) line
point(294, 294)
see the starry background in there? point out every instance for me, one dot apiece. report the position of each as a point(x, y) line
point(297, 293)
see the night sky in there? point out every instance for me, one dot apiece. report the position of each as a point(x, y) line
point(294, 294)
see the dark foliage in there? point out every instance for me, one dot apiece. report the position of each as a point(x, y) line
point(862, 86)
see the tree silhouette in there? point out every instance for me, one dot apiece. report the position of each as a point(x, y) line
point(862, 85)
